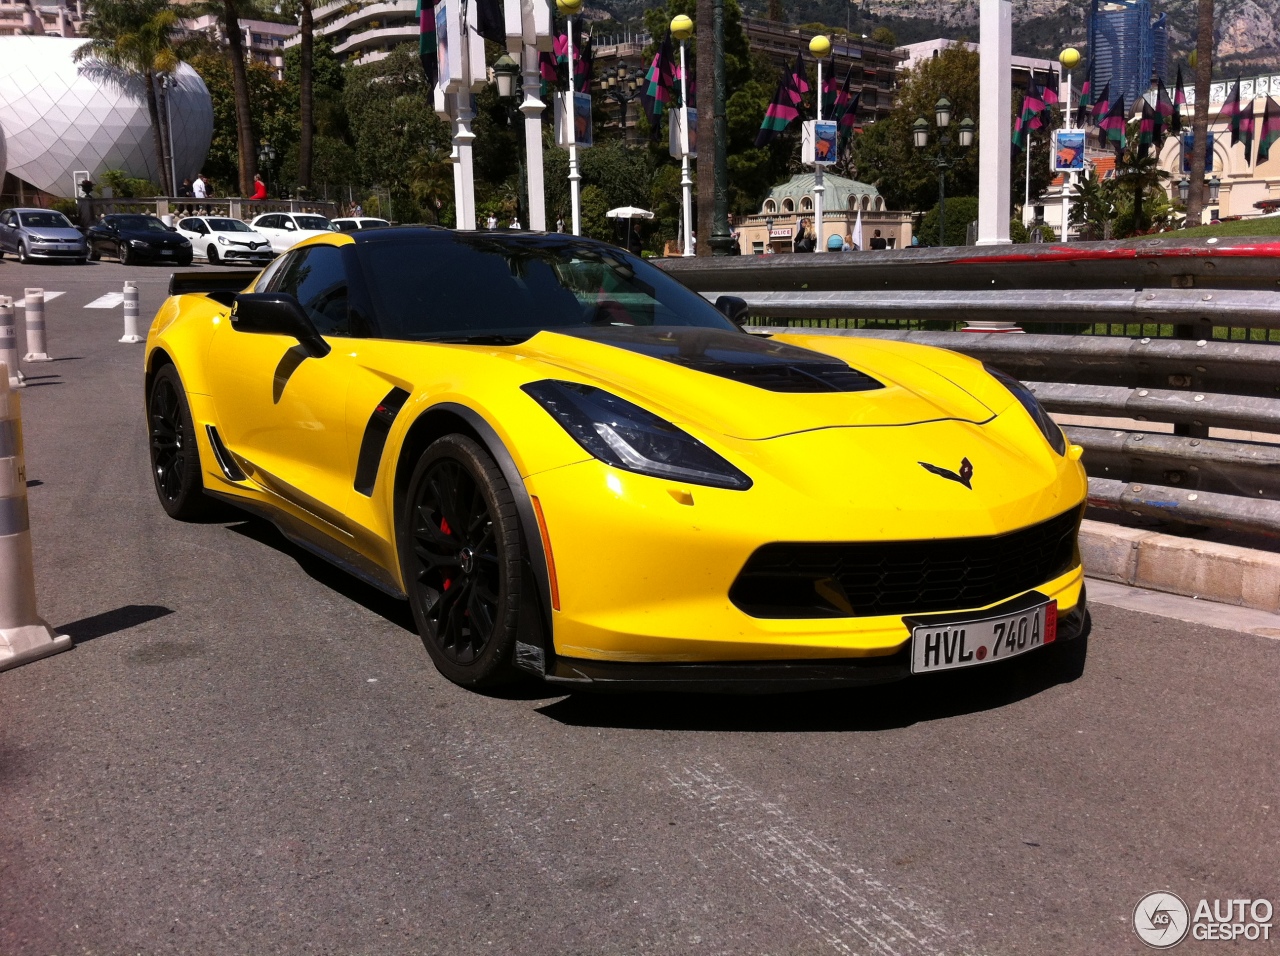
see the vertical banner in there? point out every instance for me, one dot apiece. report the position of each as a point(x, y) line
point(448, 45)
point(573, 120)
point(1068, 151)
point(818, 142)
point(682, 133)
point(1188, 142)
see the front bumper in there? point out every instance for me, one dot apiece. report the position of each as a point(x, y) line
point(180, 257)
point(771, 677)
point(229, 253)
point(50, 255)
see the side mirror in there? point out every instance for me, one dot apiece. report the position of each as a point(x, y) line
point(735, 309)
point(289, 224)
point(277, 313)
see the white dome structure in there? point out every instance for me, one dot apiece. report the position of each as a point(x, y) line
point(58, 116)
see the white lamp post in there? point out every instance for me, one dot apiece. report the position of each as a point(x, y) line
point(569, 8)
point(820, 47)
point(682, 29)
point(1068, 58)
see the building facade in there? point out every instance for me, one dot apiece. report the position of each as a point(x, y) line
point(774, 227)
point(1022, 67)
point(364, 34)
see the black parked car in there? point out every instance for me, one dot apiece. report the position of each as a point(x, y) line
point(136, 238)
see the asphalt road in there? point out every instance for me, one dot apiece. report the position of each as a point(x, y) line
point(247, 752)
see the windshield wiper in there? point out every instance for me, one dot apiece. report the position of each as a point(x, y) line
point(481, 338)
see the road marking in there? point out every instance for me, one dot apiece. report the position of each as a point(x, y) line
point(108, 301)
point(843, 904)
point(22, 303)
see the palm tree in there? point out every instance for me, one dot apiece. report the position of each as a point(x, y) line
point(431, 181)
point(136, 37)
point(306, 105)
point(245, 141)
point(1138, 175)
point(1200, 120)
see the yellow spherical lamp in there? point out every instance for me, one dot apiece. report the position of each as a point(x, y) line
point(820, 46)
point(569, 7)
point(1069, 58)
point(681, 27)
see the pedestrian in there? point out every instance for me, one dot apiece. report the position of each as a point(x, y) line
point(259, 187)
point(877, 241)
point(635, 244)
point(184, 192)
point(199, 189)
point(560, 224)
point(848, 241)
point(515, 224)
point(805, 241)
point(492, 222)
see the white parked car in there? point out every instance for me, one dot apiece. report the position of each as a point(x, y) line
point(221, 239)
point(356, 223)
point(285, 229)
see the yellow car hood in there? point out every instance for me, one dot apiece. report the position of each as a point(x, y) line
point(749, 387)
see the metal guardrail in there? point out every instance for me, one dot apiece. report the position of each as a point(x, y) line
point(1207, 388)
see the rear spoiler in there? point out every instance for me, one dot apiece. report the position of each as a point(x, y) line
point(219, 286)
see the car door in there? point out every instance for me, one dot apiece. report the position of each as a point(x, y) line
point(283, 412)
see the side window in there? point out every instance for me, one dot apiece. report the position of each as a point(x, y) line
point(315, 277)
point(5, 217)
point(270, 222)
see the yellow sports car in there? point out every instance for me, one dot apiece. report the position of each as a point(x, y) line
point(572, 466)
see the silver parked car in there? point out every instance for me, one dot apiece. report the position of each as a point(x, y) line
point(41, 235)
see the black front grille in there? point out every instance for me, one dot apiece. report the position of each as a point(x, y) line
point(866, 579)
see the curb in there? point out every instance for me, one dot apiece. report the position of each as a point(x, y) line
point(1224, 573)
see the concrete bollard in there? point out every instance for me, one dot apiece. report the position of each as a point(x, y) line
point(33, 306)
point(9, 343)
point(24, 636)
point(131, 335)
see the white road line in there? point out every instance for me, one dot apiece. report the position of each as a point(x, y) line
point(842, 904)
point(108, 301)
point(22, 303)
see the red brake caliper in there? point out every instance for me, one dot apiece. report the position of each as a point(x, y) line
point(444, 527)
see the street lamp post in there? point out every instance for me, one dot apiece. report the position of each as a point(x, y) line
point(943, 159)
point(682, 29)
point(267, 159)
point(1068, 58)
point(169, 83)
point(569, 8)
point(506, 76)
point(820, 47)
point(622, 86)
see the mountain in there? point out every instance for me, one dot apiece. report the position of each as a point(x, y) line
point(1248, 31)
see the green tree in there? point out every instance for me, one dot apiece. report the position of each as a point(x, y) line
point(1093, 207)
point(885, 155)
point(884, 35)
point(136, 37)
point(273, 106)
point(1136, 177)
point(960, 211)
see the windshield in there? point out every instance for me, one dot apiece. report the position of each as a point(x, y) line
point(456, 286)
point(49, 220)
point(139, 224)
point(227, 225)
point(313, 222)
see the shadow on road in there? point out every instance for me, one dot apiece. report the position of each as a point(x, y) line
point(352, 588)
point(110, 622)
point(881, 707)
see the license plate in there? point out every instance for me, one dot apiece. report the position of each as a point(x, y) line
point(166, 252)
point(966, 643)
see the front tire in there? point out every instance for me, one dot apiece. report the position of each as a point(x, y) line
point(212, 255)
point(175, 455)
point(126, 255)
point(460, 547)
point(95, 254)
point(23, 256)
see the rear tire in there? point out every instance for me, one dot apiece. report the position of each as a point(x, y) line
point(460, 547)
point(175, 454)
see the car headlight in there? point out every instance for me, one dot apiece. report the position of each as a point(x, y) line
point(1048, 427)
point(138, 243)
point(628, 437)
point(184, 244)
point(222, 241)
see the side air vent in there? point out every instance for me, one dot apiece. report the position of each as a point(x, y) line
point(225, 460)
point(375, 439)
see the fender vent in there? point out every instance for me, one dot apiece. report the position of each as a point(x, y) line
point(225, 461)
point(375, 439)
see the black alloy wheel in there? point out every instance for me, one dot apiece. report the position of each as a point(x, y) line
point(175, 456)
point(126, 254)
point(460, 552)
point(212, 255)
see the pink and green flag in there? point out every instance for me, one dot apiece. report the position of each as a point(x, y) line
point(427, 54)
point(785, 108)
point(1179, 101)
point(1113, 125)
point(1086, 100)
point(1270, 129)
point(659, 89)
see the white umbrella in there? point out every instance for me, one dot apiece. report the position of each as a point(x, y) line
point(857, 232)
point(629, 212)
